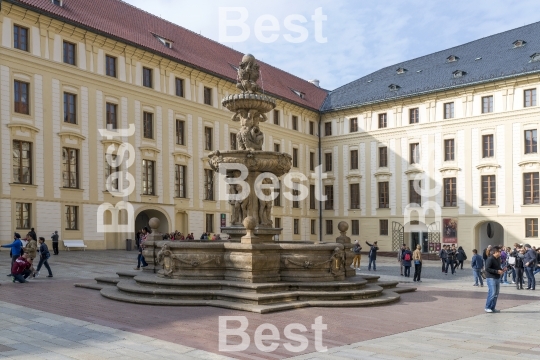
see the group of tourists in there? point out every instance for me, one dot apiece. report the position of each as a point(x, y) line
point(407, 259)
point(176, 235)
point(23, 251)
point(452, 257)
point(372, 255)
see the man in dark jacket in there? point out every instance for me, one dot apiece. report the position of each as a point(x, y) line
point(443, 255)
point(372, 256)
point(530, 262)
point(493, 276)
point(44, 256)
point(450, 261)
point(54, 238)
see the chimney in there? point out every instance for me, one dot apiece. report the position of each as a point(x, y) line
point(315, 82)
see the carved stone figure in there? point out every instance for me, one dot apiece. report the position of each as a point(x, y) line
point(338, 261)
point(248, 74)
point(165, 258)
point(265, 207)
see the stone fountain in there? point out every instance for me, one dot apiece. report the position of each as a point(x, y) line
point(250, 271)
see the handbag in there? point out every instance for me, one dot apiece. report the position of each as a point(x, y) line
point(416, 262)
point(511, 260)
point(483, 274)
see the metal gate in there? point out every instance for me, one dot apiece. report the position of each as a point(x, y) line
point(434, 236)
point(397, 235)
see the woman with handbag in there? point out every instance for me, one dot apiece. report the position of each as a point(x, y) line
point(44, 256)
point(140, 257)
point(417, 259)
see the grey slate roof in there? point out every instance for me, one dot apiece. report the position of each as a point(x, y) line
point(499, 59)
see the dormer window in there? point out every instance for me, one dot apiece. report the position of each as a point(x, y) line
point(234, 67)
point(164, 41)
point(401, 70)
point(459, 73)
point(57, 2)
point(519, 43)
point(299, 94)
point(452, 58)
point(394, 87)
point(535, 57)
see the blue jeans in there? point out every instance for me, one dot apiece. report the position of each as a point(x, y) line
point(478, 277)
point(494, 285)
point(531, 281)
point(374, 264)
point(536, 271)
point(141, 259)
point(504, 277)
point(22, 277)
point(43, 261)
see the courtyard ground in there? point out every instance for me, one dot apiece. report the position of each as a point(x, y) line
point(444, 319)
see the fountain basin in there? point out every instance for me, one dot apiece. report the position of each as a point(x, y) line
point(248, 101)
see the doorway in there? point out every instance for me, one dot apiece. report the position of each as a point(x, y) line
point(420, 238)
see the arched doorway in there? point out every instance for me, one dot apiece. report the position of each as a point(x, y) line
point(489, 233)
point(144, 216)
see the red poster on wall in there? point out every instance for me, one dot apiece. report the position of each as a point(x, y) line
point(450, 231)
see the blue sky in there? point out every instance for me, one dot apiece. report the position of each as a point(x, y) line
point(362, 35)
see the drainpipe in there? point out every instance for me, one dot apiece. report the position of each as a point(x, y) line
point(319, 179)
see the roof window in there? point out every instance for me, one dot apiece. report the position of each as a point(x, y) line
point(452, 58)
point(478, 58)
point(459, 73)
point(394, 87)
point(401, 70)
point(519, 43)
point(418, 71)
point(535, 57)
point(58, 2)
point(299, 93)
point(164, 41)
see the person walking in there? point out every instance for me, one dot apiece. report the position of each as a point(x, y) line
point(400, 258)
point(417, 259)
point(16, 249)
point(357, 256)
point(519, 267)
point(530, 263)
point(44, 256)
point(372, 256)
point(450, 261)
point(407, 259)
point(140, 257)
point(477, 264)
point(493, 276)
point(461, 257)
point(443, 255)
point(55, 238)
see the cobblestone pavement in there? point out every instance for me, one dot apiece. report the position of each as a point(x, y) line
point(61, 321)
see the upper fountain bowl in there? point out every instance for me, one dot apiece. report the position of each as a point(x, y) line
point(249, 101)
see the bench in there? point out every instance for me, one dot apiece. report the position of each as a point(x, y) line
point(74, 244)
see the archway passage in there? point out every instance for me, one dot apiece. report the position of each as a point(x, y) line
point(144, 216)
point(489, 233)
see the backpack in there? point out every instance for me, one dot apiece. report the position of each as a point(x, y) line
point(407, 257)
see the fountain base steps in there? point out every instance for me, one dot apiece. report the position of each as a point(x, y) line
point(148, 289)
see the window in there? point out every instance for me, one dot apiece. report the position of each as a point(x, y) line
point(277, 223)
point(276, 117)
point(208, 135)
point(277, 147)
point(450, 192)
point(449, 150)
point(383, 156)
point(355, 224)
point(354, 190)
point(148, 125)
point(449, 110)
point(414, 153)
point(531, 189)
point(208, 184)
point(232, 141)
point(414, 116)
point(353, 125)
point(530, 97)
point(327, 129)
point(487, 146)
point(112, 184)
point(383, 121)
point(22, 101)
point(69, 53)
point(22, 215)
point(20, 37)
point(277, 200)
point(209, 223)
point(329, 227)
point(22, 162)
point(531, 142)
point(295, 122)
point(487, 104)
point(329, 192)
point(383, 195)
point(296, 226)
point(312, 161)
point(328, 162)
point(70, 108)
point(57, 2)
point(179, 87)
point(110, 64)
point(180, 140)
point(313, 227)
point(70, 173)
point(311, 128)
point(489, 191)
point(207, 93)
point(312, 199)
point(295, 157)
point(531, 228)
point(148, 177)
point(111, 116)
point(354, 159)
point(72, 219)
point(383, 227)
point(147, 77)
point(295, 192)
point(414, 196)
point(180, 181)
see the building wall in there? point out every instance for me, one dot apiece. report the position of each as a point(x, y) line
point(49, 77)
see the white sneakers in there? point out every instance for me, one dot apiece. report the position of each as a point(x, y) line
point(488, 310)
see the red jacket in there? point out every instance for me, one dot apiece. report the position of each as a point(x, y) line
point(19, 266)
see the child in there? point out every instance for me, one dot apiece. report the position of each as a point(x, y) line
point(357, 256)
point(477, 264)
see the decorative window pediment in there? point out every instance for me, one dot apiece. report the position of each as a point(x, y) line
point(449, 171)
point(488, 167)
point(354, 177)
point(530, 164)
point(382, 175)
point(23, 127)
point(149, 151)
point(72, 138)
